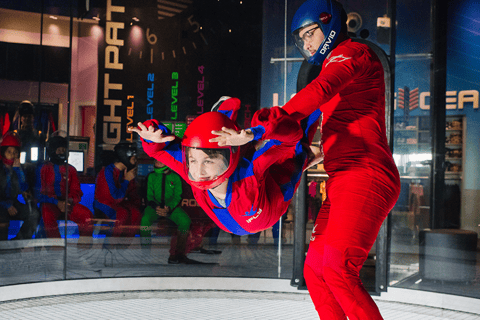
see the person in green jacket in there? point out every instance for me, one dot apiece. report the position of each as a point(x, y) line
point(164, 195)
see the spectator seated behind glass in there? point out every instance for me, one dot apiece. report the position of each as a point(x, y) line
point(12, 184)
point(164, 196)
point(116, 194)
point(51, 190)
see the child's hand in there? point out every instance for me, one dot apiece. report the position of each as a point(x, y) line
point(230, 137)
point(162, 212)
point(130, 175)
point(12, 211)
point(27, 195)
point(151, 133)
point(62, 205)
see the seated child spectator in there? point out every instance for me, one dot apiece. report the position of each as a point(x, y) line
point(12, 184)
point(116, 195)
point(51, 189)
point(164, 196)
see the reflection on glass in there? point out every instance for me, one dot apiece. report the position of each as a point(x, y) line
point(76, 159)
point(34, 153)
point(23, 156)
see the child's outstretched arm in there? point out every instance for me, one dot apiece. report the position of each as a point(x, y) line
point(230, 137)
point(151, 134)
point(159, 143)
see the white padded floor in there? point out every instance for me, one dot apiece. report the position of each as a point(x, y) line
point(197, 304)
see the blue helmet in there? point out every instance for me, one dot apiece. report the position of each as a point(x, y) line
point(325, 14)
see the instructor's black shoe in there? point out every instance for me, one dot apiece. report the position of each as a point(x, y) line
point(182, 260)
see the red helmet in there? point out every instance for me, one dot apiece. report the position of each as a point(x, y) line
point(198, 134)
point(10, 140)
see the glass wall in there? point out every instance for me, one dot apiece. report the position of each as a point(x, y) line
point(89, 73)
point(90, 70)
point(428, 253)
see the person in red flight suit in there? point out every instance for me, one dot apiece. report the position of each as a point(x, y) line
point(51, 192)
point(244, 188)
point(363, 183)
point(116, 194)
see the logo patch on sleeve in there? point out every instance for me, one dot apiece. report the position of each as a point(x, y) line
point(339, 58)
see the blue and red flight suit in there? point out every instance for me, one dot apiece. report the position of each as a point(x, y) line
point(263, 184)
point(51, 185)
point(118, 199)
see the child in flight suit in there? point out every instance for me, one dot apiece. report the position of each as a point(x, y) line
point(116, 195)
point(244, 188)
point(13, 183)
point(51, 188)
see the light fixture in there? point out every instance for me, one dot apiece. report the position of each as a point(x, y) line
point(53, 17)
point(135, 19)
point(97, 17)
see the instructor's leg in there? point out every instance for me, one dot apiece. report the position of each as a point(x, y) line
point(358, 206)
point(323, 299)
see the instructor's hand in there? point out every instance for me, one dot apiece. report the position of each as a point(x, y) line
point(230, 137)
point(150, 133)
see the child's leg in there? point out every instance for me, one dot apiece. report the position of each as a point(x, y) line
point(288, 172)
point(134, 218)
point(4, 224)
point(198, 229)
point(82, 216)
point(228, 106)
point(122, 218)
point(30, 217)
point(50, 213)
point(309, 126)
point(149, 217)
point(178, 244)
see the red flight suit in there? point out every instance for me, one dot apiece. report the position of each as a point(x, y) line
point(118, 199)
point(52, 187)
point(363, 183)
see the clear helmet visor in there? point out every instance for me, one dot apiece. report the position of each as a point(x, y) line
point(204, 165)
point(308, 40)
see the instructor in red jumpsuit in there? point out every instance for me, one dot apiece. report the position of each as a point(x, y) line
point(363, 183)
